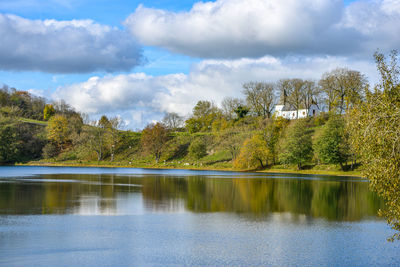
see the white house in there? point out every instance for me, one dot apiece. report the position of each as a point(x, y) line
point(288, 112)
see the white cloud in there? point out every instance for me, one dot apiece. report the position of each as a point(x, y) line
point(253, 28)
point(140, 98)
point(74, 46)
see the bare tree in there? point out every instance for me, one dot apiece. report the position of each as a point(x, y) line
point(229, 105)
point(113, 129)
point(309, 94)
point(343, 88)
point(298, 93)
point(173, 121)
point(293, 89)
point(260, 97)
point(97, 136)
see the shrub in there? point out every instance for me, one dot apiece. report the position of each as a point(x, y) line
point(198, 148)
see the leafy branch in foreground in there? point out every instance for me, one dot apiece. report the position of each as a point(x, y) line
point(375, 134)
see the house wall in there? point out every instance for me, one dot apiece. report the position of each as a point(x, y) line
point(303, 113)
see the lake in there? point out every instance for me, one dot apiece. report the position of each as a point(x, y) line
point(66, 216)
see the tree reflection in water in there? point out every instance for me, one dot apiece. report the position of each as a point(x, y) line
point(338, 200)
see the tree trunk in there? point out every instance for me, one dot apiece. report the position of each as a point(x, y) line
point(262, 165)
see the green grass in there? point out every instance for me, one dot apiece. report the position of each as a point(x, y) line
point(217, 161)
point(32, 121)
point(318, 169)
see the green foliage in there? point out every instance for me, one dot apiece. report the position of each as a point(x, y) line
point(193, 125)
point(232, 140)
point(375, 134)
point(297, 145)
point(19, 141)
point(204, 114)
point(9, 143)
point(272, 133)
point(50, 150)
point(331, 146)
point(321, 118)
point(21, 103)
point(241, 111)
point(220, 124)
point(177, 147)
point(198, 148)
point(48, 112)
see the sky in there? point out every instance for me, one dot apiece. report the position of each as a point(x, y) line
point(141, 59)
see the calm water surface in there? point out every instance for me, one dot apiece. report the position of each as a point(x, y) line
point(135, 217)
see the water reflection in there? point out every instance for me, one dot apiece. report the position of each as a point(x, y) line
point(337, 200)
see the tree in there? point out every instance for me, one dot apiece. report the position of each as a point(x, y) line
point(198, 148)
point(204, 114)
point(309, 94)
point(260, 97)
point(343, 88)
point(230, 105)
point(271, 135)
point(204, 108)
point(113, 131)
point(57, 130)
point(232, 140)
point(154, 137)
point(48, 112)
point(331, 146)
point(375, 134)
point(10, 144)
point(172, 120)
point(297, 146)
point(241, 112)
point(253, 153)
point(97, 136)
point(297, 93)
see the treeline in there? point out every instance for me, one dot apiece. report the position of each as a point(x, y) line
point(23, 116)
point(243, 133)
point(254, 137)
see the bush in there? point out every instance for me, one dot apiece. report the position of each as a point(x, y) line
point(69, 155)
point(198, 148)
point(50, 150)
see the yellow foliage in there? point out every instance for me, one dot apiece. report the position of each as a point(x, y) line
point(253, 154)
point(57, 129)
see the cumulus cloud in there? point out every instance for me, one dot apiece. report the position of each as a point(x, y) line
point(140, 98)
point(74, 46)
point(253, 28)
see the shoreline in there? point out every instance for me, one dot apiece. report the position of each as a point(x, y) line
point(288, 171)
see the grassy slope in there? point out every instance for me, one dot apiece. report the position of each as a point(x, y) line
point(32, 121)
point(176, 156)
